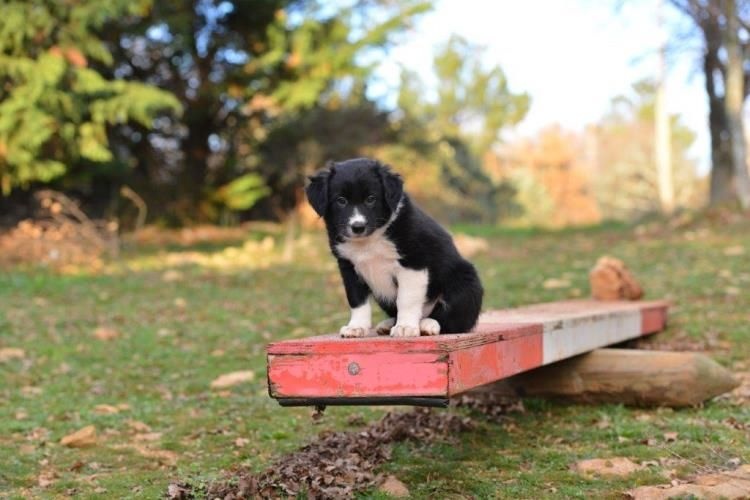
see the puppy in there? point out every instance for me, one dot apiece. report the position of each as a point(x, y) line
point(386, 247)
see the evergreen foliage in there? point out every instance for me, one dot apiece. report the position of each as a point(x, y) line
point(55, 107)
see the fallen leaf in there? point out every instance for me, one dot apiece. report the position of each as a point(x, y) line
point(77, 466)
point(27, 449)
point(30, 391)
point(171, 275)
point(470, 246)
point(164, 457)
point(734, 251)
point(80, 438)
point(8, 353)
point(21, 415)
point(138, 426)
point(178, 492)
point(232, 379)
point(106, 409)
point(46, 478)
point(148, 436)
point(38, 434)
point(106, 334)
point(616, 466)
point(393, 487)
point(670, 437)
point(554, 283)
point(729, 484)
point(180, 302)
point(123, 406)
point(240, 442)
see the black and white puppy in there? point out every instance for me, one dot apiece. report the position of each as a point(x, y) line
point(388, 248)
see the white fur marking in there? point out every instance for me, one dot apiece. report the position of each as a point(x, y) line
point(359, 324)
point(410, 301)
point(375, 259)
point(357, 217)
point(429, 326)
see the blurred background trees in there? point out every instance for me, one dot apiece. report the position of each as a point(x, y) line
point(216, 110)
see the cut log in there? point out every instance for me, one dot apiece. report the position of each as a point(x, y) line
point(627, 376)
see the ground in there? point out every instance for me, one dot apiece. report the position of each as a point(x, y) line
point(132, 349)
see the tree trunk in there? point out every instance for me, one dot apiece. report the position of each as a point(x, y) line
point(663, 135)
point(722, 171)
point(196, 153)
point(733, 101)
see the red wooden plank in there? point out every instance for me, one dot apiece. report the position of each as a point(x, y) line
point(504, 343)
point(654, 318)
point(358, 375)
point(479, 365)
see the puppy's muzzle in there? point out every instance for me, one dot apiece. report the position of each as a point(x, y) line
point(358, 228)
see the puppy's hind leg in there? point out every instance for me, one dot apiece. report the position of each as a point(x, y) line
point(459, 308)
point(429, 326)
point(384, 327)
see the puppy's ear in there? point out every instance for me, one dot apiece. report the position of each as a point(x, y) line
point(393, 185)
point(317, 190)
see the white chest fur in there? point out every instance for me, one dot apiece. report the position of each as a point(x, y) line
point(375, 259)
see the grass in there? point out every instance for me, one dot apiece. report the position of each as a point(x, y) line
point(181, 327)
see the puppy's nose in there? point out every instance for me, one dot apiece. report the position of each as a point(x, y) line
point(358, 227)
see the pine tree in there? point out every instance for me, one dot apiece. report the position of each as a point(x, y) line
point(55, 105)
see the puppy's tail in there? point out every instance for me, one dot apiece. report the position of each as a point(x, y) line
point(461, 302)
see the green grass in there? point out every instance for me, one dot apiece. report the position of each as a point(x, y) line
point(179, 333)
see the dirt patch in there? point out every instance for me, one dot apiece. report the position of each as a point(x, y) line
point(727, 484)
point(336, 465)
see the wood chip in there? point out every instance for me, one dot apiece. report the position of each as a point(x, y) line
point(80, 438)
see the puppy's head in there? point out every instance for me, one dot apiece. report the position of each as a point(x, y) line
point(355, 197)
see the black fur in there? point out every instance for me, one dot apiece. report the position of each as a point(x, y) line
point(375, 191)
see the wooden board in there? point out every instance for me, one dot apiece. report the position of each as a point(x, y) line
point(328, 369)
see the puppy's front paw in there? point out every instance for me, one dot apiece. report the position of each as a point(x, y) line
point(405, 331)
point(384, 327)
point(353, 331)
point(429, 326)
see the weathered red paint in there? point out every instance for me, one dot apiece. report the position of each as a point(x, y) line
point(654, 319)
point(479, 365)
point(358, 374)
point(503, 343)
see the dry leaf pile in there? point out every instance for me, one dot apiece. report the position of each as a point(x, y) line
point(337, 464)
point(60, 236)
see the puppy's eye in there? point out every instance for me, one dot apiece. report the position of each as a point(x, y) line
point(370, 201)
point(341, 201)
